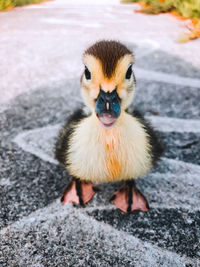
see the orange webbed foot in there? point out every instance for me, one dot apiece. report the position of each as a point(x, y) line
point(78, 192)
point(128, 198)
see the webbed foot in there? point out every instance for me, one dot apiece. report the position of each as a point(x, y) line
point(128, 198)
point(78, 192)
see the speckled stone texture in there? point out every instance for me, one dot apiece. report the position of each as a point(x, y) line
point(41, 87)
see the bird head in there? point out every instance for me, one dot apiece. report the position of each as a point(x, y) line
point(108, 82)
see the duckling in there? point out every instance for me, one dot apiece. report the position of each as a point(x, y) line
point(110, 142)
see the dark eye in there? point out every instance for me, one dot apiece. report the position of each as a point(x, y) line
point(129, 72)
point(87, 73)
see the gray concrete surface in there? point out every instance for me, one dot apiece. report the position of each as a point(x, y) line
point(40, 66)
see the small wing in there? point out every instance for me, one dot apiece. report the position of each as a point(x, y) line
point(154, 139)
point(62, 143)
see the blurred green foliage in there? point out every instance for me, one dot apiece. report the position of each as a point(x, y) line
point(186, 8)
point(8, 4)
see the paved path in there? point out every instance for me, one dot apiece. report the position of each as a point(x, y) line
point(40, 66)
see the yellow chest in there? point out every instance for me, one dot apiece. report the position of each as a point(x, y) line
point(100, 155)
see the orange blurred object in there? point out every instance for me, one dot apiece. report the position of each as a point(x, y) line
point(192, 24)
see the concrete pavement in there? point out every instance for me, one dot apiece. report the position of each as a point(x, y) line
point(40, 68)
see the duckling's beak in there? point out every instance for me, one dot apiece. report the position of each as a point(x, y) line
point(108, 108)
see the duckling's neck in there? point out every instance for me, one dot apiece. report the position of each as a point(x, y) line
point(110, 138)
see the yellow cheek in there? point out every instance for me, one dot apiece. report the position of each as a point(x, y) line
point(93, 96)
point(126, 96)
point(93, 93)
point(122, 93)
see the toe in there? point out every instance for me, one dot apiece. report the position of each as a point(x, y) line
point(128, 198)
point(87, 192)
point(70, 194)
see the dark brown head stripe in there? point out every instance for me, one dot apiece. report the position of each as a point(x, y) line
point(109, 52)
